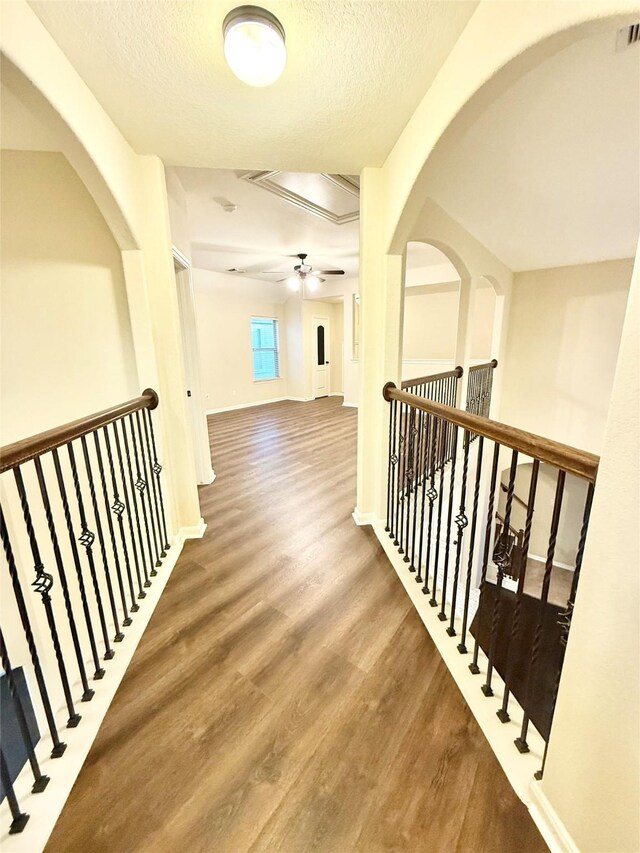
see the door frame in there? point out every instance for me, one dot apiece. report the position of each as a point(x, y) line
point(191, 362)
point(326, 322)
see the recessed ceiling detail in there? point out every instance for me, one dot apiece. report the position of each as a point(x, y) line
point(335, 198)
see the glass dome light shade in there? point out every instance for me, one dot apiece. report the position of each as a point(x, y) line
point(254, 45)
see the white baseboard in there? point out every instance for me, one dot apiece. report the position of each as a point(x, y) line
point(556, 564)
point(196, 531)
point(273, 400)
point(45, 807)
point(246, 405)
point(363, 518)
point(552, 829)
point(350, 405)
point(210, 477)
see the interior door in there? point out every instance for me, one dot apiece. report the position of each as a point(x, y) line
point(321, 366)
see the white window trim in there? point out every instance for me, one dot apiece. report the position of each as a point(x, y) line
point(275, 320)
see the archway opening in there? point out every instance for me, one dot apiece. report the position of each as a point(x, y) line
point(430, 312)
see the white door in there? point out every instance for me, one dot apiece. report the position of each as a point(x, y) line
point(321, 368)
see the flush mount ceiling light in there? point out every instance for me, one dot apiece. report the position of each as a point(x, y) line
point(254, 45)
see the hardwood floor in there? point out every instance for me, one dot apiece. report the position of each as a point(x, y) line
point(286, 696)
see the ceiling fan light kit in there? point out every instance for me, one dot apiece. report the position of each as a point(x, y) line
point(254, 45)
point(304, 273)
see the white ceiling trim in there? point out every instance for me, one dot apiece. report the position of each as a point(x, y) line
point(343, 182)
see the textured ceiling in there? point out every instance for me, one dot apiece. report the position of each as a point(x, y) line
point(262, 231)
point(549, 174)
point(355, 73)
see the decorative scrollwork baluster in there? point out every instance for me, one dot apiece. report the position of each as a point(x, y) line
point(43, 585)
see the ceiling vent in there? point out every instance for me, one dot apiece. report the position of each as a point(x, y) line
point(628, 36)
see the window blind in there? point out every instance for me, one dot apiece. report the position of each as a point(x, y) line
point(265, 347)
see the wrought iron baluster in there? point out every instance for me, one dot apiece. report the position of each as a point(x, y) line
point(42, 585)
point(19, 819)
point(390, 465)
point(418, 480)
point(157, 468)
point(503, 713)
point(461, 522)
point(98, 670)
point(444, 438)
point(431, 494)
point(141, 486)
point(149, 456)
point(107, 511)
point(402, 443)
point(502, 558)
point(426, 429)
point(119, 636)
point(394, 472)
point(521, 742)
point(134, 481)
point(410, 478)
point(86, 539)
point(147, 493)
point(398, 475)
point(462, 648)
point(58, 746)
point(442, 616)
point(567, 615)
point(119, 508)
point(87, 694)
point(40, 780)
point(473, 666)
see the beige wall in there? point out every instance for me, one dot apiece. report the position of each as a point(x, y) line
point(573, 501)
point(484, 305)
point(430, 322)
point(66, 336)
point(564, 334)
point(337, 348)
point(430, 326)
point(178, 213)
point(224, 306)
point(592, 777)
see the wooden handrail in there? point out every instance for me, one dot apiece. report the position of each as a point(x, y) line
point(457, 372)
point(12, 455)
point(493, 363)
point(562, 456)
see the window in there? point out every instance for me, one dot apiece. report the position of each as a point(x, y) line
point(264, 342)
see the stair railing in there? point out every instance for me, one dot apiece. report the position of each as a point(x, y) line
point(479, 387)
point(66, 607)
point(444, 525)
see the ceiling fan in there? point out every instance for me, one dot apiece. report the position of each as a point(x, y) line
point(302, 273)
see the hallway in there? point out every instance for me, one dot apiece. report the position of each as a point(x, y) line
point(285, 695)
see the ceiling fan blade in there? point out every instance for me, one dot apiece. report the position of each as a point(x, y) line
point(271, 272)
point(329, 272)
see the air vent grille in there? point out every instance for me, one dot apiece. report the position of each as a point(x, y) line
point(628, 36)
